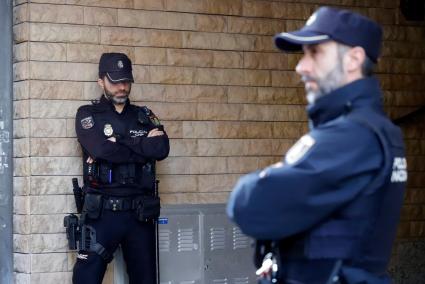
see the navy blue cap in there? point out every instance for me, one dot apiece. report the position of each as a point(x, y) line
point(116, 66)
point(342, 26)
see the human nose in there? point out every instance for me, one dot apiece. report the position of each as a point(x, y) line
point(304, 66)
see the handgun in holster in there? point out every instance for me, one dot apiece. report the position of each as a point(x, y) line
point(266, 260)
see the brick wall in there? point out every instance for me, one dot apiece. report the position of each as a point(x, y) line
point(229, 101)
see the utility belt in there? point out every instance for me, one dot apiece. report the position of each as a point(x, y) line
point(102, 173)
point(91, 205)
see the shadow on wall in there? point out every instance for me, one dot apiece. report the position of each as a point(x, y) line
point(408, 262)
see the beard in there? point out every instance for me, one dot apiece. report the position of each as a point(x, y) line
point(330, 82)
point(117, 100)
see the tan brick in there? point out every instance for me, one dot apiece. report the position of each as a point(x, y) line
point(274, 113)
point(21, 185)
point(227, 59)
point(48, 128)
point(21, 224)
point(49, 262)
point(255, 26)
point(21, 109)
point(281, 96)
point(195, 198)
point(48, 204)
point(47, 51)
point(221, 76)
point(70, 128)
point(417, 229)
point(255, 60)
point(193, 165)
point(285, 79)
point(20, 71)
point(20, 52)
point(21, 167)
point(150, 56)
point(383, 16)
point(243, 147)
point(257, 77)
point(210, 23)
point(22, 263)
point(63, 147)
point(183, 147)
point(218, 41)
point(21, 243)
point(170, 75)
point(156, 20)
point(47, 224)
point(210, 111)
point(149, 4)
point(174, 111)
point(217, 183)
point(103, 3)
point(257, 9)
point(147, 93)
point(56, 165)
point(174, 128)
point(91, 53)
point(293, 60)
point(263, 43)
point(100, 16)
point(21, 147)
point(44, 185)
point(143, 74)
point(206, 6)
point(63, 71)
point(21, 90)
point(195, 93)
point(52, 277)
point(292, 130)
point(44, 243)
point(292, 10)
point(20, 14)
point(141, 37)
point(224, 129)
point(56, 13)
point(54, 108)
point(21, 205)
point(242, 165)
point(56, 90)
point(177, 183)
point(64, 33)
point(21, 128)
point(21, 32)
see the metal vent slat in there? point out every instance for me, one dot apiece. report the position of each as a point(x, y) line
point(164, 243)
point(240, 241)
point(217, 239)
point(185, 240)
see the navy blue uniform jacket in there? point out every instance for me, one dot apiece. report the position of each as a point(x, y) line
point(331, 183)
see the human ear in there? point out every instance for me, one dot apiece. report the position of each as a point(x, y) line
point(354, 59)
point(101, 83)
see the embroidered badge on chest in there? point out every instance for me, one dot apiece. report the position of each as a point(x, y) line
point(299, 149)
point(87, 123)
point(107, 130)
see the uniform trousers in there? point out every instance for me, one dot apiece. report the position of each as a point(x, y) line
point(137, 240)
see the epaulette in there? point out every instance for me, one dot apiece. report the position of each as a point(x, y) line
point(148, 114)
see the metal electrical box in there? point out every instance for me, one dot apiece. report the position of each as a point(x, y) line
point(199, 245)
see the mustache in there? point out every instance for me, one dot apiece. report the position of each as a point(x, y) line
point(308, 78)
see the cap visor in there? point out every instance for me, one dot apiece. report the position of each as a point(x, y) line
point(294, 41)
point(117, 77)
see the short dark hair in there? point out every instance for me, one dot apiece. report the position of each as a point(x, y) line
point(368, 67)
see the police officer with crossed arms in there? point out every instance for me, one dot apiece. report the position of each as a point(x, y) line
point(121, 143)
point(332, 205)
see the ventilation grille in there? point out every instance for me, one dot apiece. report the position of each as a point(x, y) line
point(217, 238)
point(185, 241)
point(240, 241)
point(220, 281)
point(244, 280)
point(164, 241)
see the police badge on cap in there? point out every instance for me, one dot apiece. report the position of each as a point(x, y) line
point(116, 66)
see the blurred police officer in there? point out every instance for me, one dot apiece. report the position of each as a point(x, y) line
point(121, 143)
point(332, 204)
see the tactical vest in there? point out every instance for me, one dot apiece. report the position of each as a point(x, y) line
point(362, 233)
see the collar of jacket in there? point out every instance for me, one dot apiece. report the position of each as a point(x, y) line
point(360, 93)
point(104, 102)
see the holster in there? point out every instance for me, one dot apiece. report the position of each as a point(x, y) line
point(147, 208)
point(92, 205)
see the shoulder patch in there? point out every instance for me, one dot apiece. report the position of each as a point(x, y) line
point(152, 117)
point(299, 149)
point(87, 122)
